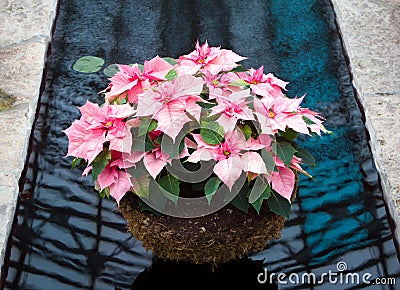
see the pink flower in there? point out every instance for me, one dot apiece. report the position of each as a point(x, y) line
point(253, 163)
point(169, 103)
point(125, 83)
point(263, 85)
point(263, 141)
point(278, 113)
point(206, 58)
point(155, 161)
point(234, 157)
point(130, 81)
point(296, 165)
point(230, 165)
point(156, 69)
point(315, 121)
point(204, 150)
point(126, 160)
point(206, 87)
point(219, 84)
point(283, 180)
point(231, 159)
point(119, 181)
point(232, 109)
point(96, 126)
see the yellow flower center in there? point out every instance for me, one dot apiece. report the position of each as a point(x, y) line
point(270, 114)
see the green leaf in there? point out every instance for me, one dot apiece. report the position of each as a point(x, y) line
point(171, 75)
point(308, 121)
point(239, 83)
point(105, 192)
point(170, 60)
point(279, 205)
point(306, 157)
point(211, 137)
point(211, 187)
point(170, 148)
point(153, 125)
point(76, 162)
point(141, 180)
point(99, 163)
point(268, 160)
point(206, 118)
point(212, 133)
point(239, 68)
point(259, 187)
point(247, 131)
point(123, 101)
point(285, 152)
point(171, 186)
point(111, 70)
point(142, 143)
point(289, 134)
point(206, 105)
point(88, 64)
point(241, 201)
point(144, 125)
point(147, 125)
point(258, 203)
point(141, 67)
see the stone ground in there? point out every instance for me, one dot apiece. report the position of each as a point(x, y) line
point(371, 33)
point(25, 31)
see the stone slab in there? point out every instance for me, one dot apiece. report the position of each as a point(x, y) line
point(17, 123)
point(381, 114)
point(23, 20)
point(25, 30)
point(371, 35)
point(21, 68)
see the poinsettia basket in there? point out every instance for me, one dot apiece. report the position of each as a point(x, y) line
point(198, 152)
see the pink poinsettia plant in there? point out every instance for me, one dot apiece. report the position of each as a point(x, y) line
point(200, 107)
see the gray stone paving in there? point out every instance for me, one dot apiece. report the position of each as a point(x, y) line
point(25, 30)
point(371, 36)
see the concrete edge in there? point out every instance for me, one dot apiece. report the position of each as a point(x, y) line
point(375, 122)
point(25, 35)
